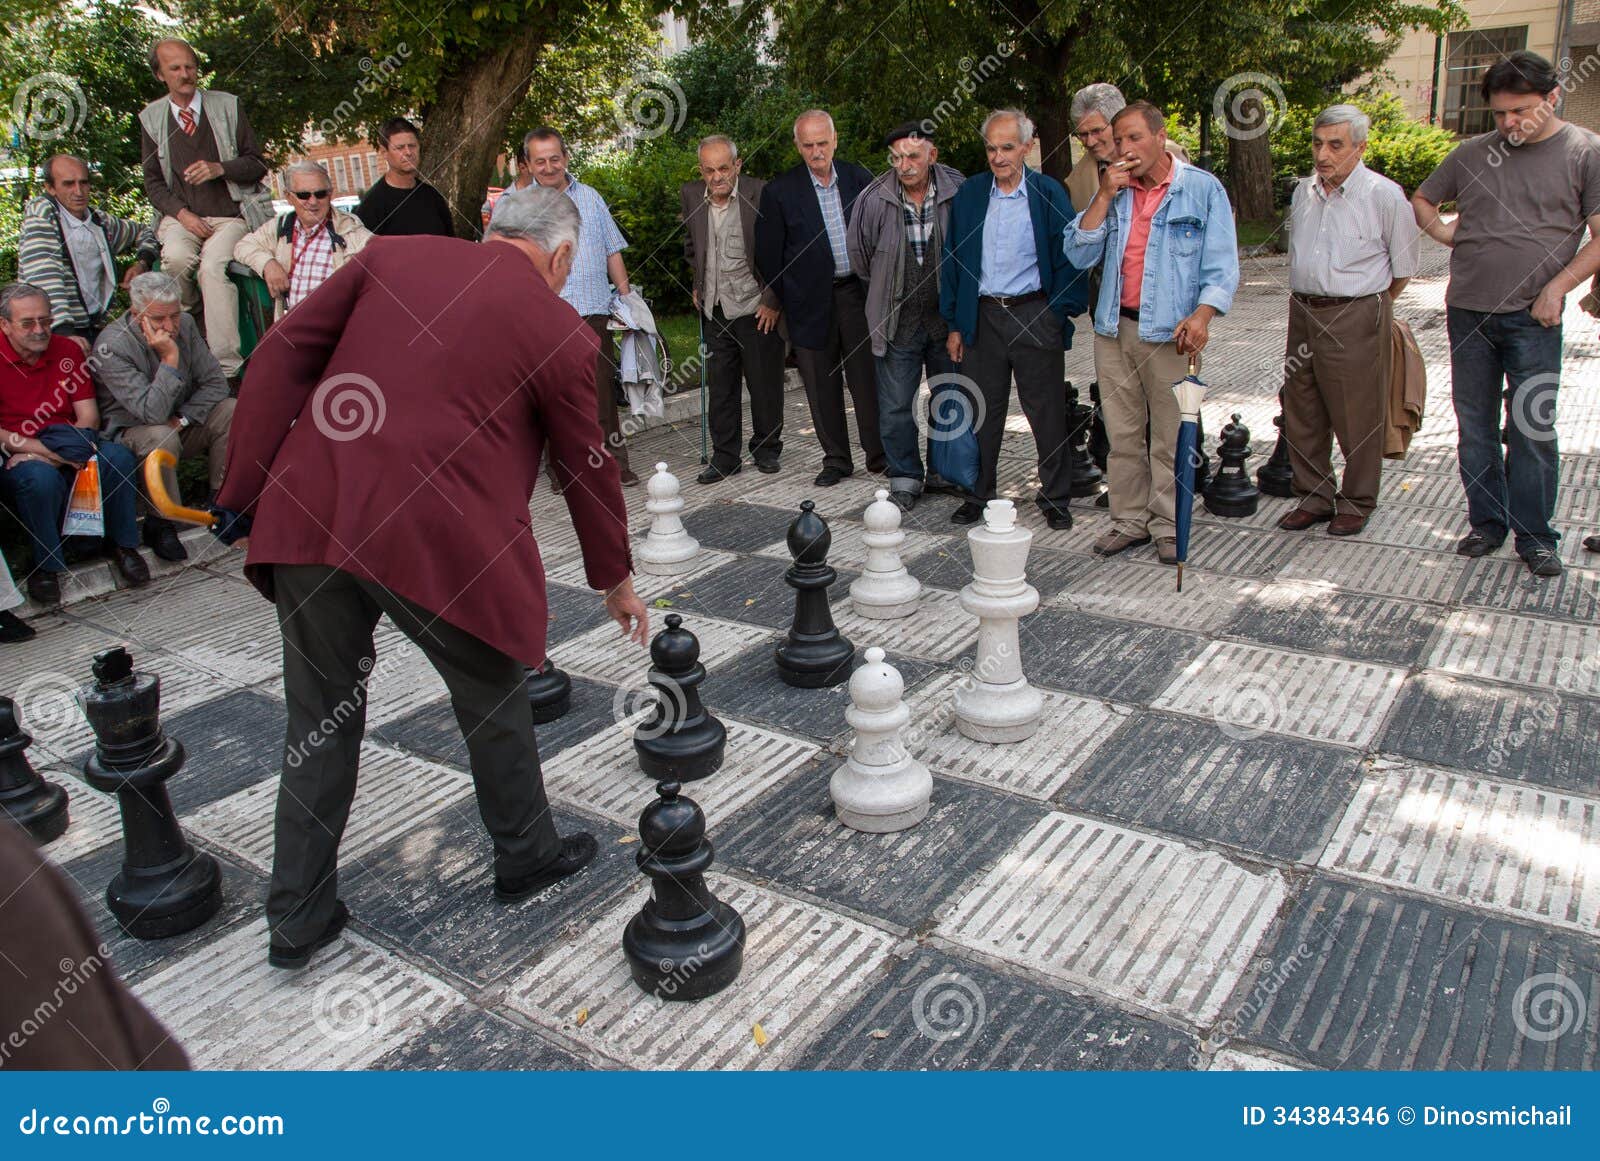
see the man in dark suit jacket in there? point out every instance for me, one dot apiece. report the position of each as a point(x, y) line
point(803, 254)
point(738, 311)
point(387, 448)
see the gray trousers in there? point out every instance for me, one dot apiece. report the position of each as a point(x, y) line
point(327, 617)
point(1022, 341)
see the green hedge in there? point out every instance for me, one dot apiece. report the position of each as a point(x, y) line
point(1403, 150)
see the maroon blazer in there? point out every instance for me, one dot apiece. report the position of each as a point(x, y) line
point(391, 425)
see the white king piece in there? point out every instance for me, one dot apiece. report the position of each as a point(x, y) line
point(880, 788)
point(884, 589)
point(995, 703)
point(668, 549)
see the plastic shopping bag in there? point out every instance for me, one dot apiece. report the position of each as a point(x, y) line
point(84, 514)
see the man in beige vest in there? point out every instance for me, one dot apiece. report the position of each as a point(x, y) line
point(203, 173)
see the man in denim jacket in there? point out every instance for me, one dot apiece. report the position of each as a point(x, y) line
point(1163, 233)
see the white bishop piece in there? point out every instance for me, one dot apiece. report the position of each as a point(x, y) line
point(668, 549)
point(884, 589)
point(880, 788)
point(996, 703)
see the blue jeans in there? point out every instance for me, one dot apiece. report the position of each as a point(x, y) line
point(39, 493)
point(899, 375)
point(1501, 363)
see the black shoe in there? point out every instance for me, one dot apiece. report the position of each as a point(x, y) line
point(576, 851)
point(767, 467)
point(905, 501)
point(14, 629)
point(878, 468)
point(294, 958)
point(1103, 500)
point(1476, 544)
point(713, 474)
point(44, 587)
point(1542, 561)
point(132, 566)
point(828, 477)
point(1591, 543)
point(161, 536)
point(1058, 518)
point(970, 512)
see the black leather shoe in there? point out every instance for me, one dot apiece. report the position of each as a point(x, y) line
point(44, 587)
point(14, 629)
point(281, 955)
point(1591, 543)
point(905, 501)
point(712, 474)
point(576, 851)
point(1476, 544)
point(1058, 518)
point(161, 537)
point(970, 512)
point(132, 566)
point(767, 467)
point(828, 477)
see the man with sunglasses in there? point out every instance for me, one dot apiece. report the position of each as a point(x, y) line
point(299, 251)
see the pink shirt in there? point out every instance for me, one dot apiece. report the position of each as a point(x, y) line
point(1145, 204)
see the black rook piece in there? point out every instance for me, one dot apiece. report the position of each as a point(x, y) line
point(679, 741)
point(815, 654)
point(549, 692)
point(1276, 476)
point(1231, 493)
point(37, 806)
point(684, 944)
point(165, 886)
point(1086, 477)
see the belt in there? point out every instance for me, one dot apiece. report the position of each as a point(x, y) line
point(1129, 312)
point(1327, 299)
point(1010, 300)
point(848, 278)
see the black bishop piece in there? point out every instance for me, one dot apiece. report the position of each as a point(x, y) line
point(37, 806)
point(685, 943)
point(165, 886)
point(679, 741)
point(815, 654)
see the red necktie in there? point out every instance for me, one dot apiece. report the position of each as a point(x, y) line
point(186, 119)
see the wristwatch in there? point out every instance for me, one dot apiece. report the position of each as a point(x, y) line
point(183, 422)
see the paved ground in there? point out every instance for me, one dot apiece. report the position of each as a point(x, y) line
point(1333, 806)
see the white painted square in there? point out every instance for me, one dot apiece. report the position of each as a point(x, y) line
point(1559, 655)
point(605, 655)
point(94, 821)
point(1233, 1060)
point(1374, 568)
point(225, 628)
point(1523, 850)
point(1147, 594)
point(939, 630)
point(231, 1010)
point(1143, 919)
point(402, 679)
point(1248, 690)
point(801, 966)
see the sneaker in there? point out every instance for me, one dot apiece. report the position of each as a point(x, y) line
point(1542, 561)
point(576, 851)
point(1476, 544)
point(295, 958)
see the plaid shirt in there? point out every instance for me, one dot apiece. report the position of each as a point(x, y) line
point(310, 261)
point(588, 287)
point(919, 220)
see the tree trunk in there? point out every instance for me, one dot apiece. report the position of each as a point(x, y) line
point(1250, 171)
point(1052, 116)
point(464, 129)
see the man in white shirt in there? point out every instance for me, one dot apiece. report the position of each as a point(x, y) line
point(1352, 248)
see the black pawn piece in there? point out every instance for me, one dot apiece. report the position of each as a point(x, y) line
point(1231, 493)
point(1086, 478)
point(685, 944)
point(37, 806)
point(1276, 476)
point(165, 886)
point(815, 654)
point(679, 741)
point(549, 692)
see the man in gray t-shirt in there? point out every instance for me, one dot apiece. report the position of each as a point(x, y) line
point(1524, 194)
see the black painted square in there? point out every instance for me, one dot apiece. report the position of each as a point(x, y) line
point(1270, 795)
point(1360, 978)
point(230, 743)
point(1382, 629)
point(936, 1011)
point(430, 891)
point(750, 590)
point(950, 568)
point(737, 527)
point(1101, 657)
point(1545, 738)
point(572, 612)
point(433, 732)
point(1509, 586)
point(792, 836)
point(475, 1041)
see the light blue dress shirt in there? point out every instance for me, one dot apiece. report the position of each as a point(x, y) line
point(588, 287)
point(833, 219)
point(1010, 258)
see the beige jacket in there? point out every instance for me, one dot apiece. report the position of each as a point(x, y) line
point(1085, 177)
point(273, 241)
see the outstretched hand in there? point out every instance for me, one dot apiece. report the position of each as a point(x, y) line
point(626, 609)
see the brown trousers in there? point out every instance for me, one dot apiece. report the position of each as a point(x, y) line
point(1136, 381)
point(1336, 384)
point(209, 438)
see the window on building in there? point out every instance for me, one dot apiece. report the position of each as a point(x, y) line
point(340, 182)
point(1468, 55)
point(372, 168)
point(359, 180)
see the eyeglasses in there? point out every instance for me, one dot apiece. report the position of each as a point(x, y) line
point(306, 195)
point(1085, 134)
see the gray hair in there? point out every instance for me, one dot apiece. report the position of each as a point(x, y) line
point(720, 139)
point(545, 217)
point(15, 292)
point(310, 167)
point(1107, 100)
point(152, 287)
point(1349, 115)
point(823, 114)
point(1024, 126)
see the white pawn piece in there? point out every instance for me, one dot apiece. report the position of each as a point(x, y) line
point(668, 549)
point(995, 703)
point(884, 590)
point(880, 788)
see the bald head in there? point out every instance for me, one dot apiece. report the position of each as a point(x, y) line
point(815, 140)
point(66, 178)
